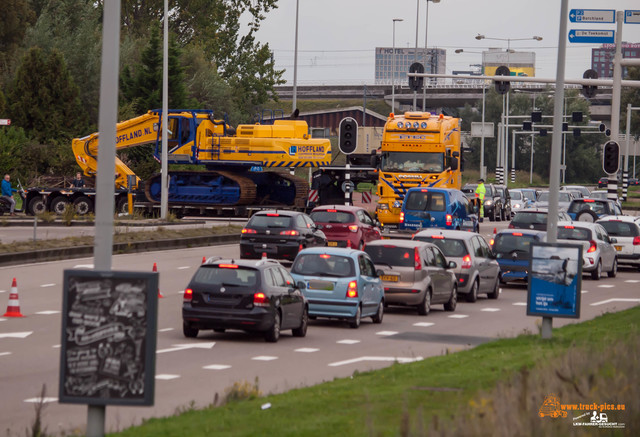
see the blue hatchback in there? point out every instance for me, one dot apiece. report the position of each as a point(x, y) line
point(445, 208)
point(339, 283)
point(512, 250)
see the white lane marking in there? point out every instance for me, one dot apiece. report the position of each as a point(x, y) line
point(628, 281)
point(606, 286)
point(38, 400)
point(361, 359)
point(4, 353)
point(47, 285)
point(520, 304)
point(347, 341)
point(47, 313)
point(184, 267)
point(264, 358)
point(165, 329)
point(458, 316)
point(167, 377)
point(614, 300)
point(3, 291)
point(180, 347)
point(386, 333)
point(423, 324)
point(3, 320)
point(584, 291)
point(307, 350)
point(490, 310)
point(15, 334)
point(83, 266)
point(216, 367)
point(181, 292)
point(56, 346)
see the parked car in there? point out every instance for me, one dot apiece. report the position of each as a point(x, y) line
point(626, 230)
point(584, 191)
point(415, 273)
point(505, 202)
point(598, 253)
point(346, 226)
point(241, 294)
point(477, 270)
point(445, 208)
point(340, 283)
point(634, 181)
point(603, 182)
point(512, 252)
point(564, 200)
point(589, 210)
point(492, 201)
point(534, 218)
point(518, 201)
point(279, 234)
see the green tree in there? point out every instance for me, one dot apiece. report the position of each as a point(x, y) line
point(15, 18)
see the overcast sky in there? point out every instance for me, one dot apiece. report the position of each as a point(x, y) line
point(337, 38)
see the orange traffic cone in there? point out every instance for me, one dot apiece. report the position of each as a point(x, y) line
point(204, 259)
point(264, 255)
point(13, 309)
point(155, 269)
point(495, 230)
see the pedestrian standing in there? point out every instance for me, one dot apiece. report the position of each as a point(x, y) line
point(481, 191)
point(78, 182)
point(7, 193)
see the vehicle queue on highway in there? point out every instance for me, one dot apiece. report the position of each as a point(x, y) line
point(343, 267)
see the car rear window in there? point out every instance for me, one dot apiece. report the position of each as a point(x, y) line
point(620, 229)
point(270, 221)
point(573, 233)
point(530, 218)
point(392, 255)
point(236, 276)
point(316, 264)
point(332, 217)
point(448, 246)
point(508, 243)
point(516, 195)
point(425, 201)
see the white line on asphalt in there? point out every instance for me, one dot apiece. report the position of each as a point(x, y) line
point(3, 320)
point(165, 329)
point(47, 285)
point(520, 304)
point(83, 266)
point(458, 316)
point(181, 292)
point(216, 367)
point(423, 324)
point(56, 346)
point(606, 286)
point(632, 281)
point(4, 353)
point(167, 377)
point(490, 310)
point(38, 400)
point(264, 358)
point(614, 300)
point(347, 341)
point(179, 347)
point(307, 349)
point(361, 359)
point(386, 333)
point(48, 312)
point(3, 291)
point(184, 267)
point(16, 334)
point(585, 291)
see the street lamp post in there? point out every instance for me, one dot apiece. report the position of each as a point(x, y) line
point(295, 63)
point(426, 53)
point(393, 67)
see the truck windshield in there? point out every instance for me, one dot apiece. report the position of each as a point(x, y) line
point(413, 162)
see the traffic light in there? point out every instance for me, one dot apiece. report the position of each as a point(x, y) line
point(543, 132)
point(527, 126)
point(501, 86)
point(536, 117)
point(415, 83)
point(348, 135)
point(611, 157)
point(576, 116)
point(576, 132)
point(589, 91)
point(565, 127)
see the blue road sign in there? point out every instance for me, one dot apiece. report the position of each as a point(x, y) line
point(592, 36)
point(631, 17)
point(592, 16)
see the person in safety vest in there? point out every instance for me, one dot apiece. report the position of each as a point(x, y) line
point(480, 193)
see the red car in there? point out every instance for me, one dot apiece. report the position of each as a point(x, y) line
point(346, 226)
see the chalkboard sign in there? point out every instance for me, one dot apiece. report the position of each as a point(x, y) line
point(109, 324)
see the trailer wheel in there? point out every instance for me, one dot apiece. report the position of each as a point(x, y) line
point(59, 205)
point(83, 205)
point(37, 206)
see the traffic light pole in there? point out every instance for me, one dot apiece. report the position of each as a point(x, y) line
point(612, 186)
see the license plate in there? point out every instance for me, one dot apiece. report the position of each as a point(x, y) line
point(389, 278)
point(618, 248)
point(332, 243)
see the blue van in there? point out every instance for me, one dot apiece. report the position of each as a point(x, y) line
point(446, 208)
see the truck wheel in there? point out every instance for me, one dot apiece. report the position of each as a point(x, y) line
point(37, 206)
point(83, 205)
point(59, 204)
point(122, 206)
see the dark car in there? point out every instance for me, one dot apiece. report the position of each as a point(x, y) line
point(492, 202)
point(346, 226)
point(505, 200)
point(534, 218)
point(590, 210)
point(634, 181)
point(512, 252)
point(279, 234)
point(247, 295)
point(603, 182)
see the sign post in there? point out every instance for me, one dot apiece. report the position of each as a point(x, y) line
point(592, 36)
point(592, 15)
point(5, 122)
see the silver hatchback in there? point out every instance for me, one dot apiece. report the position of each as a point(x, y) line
point(477, 271)
point(598, 252)
point(415, 274)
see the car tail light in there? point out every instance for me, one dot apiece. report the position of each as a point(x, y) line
point(636, 241)
point(461, 280)
point(352, 290)
point(416, 257)
point(300, 248)
point(332, 210)
point(290, 232)
point(439, 237)
point(188, 294)
point(466, 261)
point(325, 256)
point(273, 215)
point(248, 231)
point(348, 243)
point(402, 217)
point(593, 246)
point(511, 226)
point(353, 228)
point(491, 242)
point(588, 200)
point(260, 299)
point(569, 227)
point(449, 220)
point(228, 266)
point(517, 234)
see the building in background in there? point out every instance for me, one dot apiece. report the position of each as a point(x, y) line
point(520, 63)
point(602, 57)
point(436, 63)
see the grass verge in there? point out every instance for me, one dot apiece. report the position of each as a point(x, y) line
point(481, 391)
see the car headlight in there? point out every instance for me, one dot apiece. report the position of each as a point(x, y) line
point(488, 202)
point(397, 204)
point(517, 205)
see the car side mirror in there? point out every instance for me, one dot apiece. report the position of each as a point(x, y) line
point(613, 240)
point(452, 265)
point(379, 273)
point(301, 285)
point(318, 227)
point(376, 223)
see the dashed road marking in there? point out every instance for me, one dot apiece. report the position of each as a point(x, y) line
point(56, 346)
point(15, 334)
point(264, 358)
point(184, 267)
point(458, 316)
point(167, 377)
point(386, 333)
point(423, 324)
point(4, 353)
point(362, 359)
point(490, 310)
point(38, 400)
point(165, 329)
point(216, 367)
point(584, 291)
point(3, 320)
point(47, 285)
point(47, 313)
point(3, 291)
point(181, 292)
point(632, 281)
point(347, 341)
point(606, 286)
point(307, 350)
point(614, 300)
point(179, 347)
point(520, 304)
point(83, 266)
